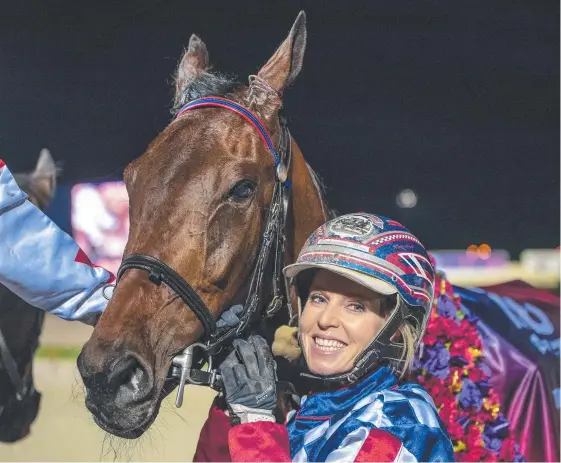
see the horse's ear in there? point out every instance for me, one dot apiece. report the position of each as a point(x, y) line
point(285, 65)
point(44, 175)
point(193, 63)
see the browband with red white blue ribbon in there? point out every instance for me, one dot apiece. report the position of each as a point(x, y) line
point(214, 101)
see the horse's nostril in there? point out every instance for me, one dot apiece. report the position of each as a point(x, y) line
point(129, 379)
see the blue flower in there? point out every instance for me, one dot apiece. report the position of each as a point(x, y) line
point(493, 443)
point(436, 360)
point(470, 395)
point(458, 361)
point(498, 428)
point(518, 455)
point(469, 316)
point(464, 421)
point(495, 433)
point(484, 386)
point(446, 307)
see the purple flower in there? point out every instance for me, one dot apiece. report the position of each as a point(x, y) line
point(469, 316)
point(446, 307)
point(458, 361)
point(518, 454)
point(494, 434)
point(464, 421)
point(484, 386)
point(493, 443)
point(498, 428)
point(436, 360)
point(483, 366)
point(470, 395)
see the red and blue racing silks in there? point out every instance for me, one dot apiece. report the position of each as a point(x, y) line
point(375, 419)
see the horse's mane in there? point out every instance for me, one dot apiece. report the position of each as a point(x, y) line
point(207, 84)
point(320, 186)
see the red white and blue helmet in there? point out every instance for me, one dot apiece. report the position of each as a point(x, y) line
point(374, 251)
point(382, 255)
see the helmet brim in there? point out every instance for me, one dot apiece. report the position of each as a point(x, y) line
point(374, 284)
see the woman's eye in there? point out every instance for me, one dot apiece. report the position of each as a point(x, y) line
point(357, 308)
point(316, 299)
point(242, 190)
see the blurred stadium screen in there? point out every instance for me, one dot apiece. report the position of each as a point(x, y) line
point(537, 267)
point(460, 258)
point(100, 221)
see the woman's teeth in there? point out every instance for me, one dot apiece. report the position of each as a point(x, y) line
point(329, 344)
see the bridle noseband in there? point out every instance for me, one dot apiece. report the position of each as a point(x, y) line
point(158, 273)
point(214, 338)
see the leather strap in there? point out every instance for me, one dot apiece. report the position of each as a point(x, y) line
point(158, 273)
point(11, 367)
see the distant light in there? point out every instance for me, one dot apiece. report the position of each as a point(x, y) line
point(474, 252)
point(484, 252)
point(407, 199)
point(471, 252)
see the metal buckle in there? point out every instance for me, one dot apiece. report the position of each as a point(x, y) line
point(274, 305)
point(282, 172)
point(105, 288)
point(182, 369)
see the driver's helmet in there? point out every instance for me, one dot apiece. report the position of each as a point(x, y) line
point(382, 255)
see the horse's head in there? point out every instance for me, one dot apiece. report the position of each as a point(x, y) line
point(20, 327)
point(199, 199)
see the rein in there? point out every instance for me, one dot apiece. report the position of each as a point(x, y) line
point(213, 338)
point(23, 384)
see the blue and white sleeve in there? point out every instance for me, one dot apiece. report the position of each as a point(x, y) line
point(42, 264)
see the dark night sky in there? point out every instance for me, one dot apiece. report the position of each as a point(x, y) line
point(456, 100)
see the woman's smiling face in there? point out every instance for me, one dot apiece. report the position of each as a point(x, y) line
point(339, 320)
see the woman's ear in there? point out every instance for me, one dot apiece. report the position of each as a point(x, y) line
point(397, 337)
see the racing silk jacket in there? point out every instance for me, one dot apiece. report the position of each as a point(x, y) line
point(373, 420)
point(42, 264)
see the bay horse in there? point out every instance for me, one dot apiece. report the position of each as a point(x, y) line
point(220, 200)
point(21, 325)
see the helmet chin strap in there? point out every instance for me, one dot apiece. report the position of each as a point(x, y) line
point(381, 349)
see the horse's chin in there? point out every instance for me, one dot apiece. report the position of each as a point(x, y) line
point(145, 419)
point(132, 433)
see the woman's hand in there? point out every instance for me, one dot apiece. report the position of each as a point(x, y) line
point(249, 377)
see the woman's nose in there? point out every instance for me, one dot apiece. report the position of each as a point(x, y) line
point(329, 317)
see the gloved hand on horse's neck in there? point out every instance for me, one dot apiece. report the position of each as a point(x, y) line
point(249, 378)
point(230, 317)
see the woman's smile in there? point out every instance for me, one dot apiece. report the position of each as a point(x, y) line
point(340, 319)
point(328, 346)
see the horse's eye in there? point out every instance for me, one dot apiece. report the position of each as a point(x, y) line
point(242, 190)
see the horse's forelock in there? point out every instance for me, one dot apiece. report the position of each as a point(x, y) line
point(208, 84)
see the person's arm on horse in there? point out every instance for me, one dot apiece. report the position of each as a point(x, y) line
point(249, 377)
point(42, 264)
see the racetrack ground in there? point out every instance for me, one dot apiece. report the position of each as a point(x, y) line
point(64, 429)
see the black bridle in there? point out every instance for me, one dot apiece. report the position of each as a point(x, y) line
point(213, 338)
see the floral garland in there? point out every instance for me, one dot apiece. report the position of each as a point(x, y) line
point(450, 367)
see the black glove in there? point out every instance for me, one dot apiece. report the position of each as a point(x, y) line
point(249, 377)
